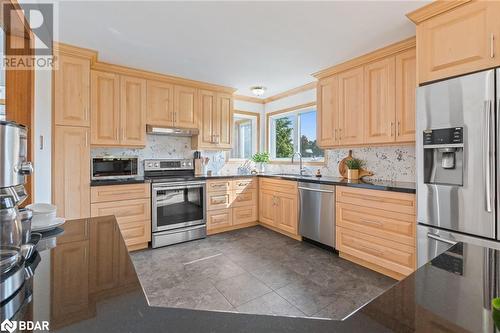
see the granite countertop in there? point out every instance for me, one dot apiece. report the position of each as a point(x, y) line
point(450, 293)
point(383, 185)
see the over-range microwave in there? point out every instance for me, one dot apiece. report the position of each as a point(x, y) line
point(114, 167)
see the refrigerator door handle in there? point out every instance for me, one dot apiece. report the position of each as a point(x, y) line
point(488, 157)
point(440, 239)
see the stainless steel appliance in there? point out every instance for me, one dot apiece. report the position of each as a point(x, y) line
point(317, 212)
point(457, 154)
point(114, 167)
point(178, 201)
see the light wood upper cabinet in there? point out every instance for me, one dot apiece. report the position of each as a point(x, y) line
point(105, 108)
point(379, 105)
point(462, 40)
point(132, 111)
point(72, 91)
point(185, 107)
point(406, 84)
point(160, 101)
point(71, 172)
point(327, 113)
point(208, 106)
point(351, 108)
point(224, 120)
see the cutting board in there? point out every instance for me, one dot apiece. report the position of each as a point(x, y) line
point(343, 167)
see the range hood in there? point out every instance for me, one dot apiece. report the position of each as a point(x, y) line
point(174, 131)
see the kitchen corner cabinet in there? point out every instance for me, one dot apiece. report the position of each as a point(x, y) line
point(462, 40)
point(215, 121)
point(72, 91)
point(327, 118)
point(71, 171)
point(278, 206)
point(118, 110)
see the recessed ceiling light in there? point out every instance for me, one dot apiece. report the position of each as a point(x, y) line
point(258, 90)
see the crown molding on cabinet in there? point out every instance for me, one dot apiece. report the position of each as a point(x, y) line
point(433, 9)
point(249, 99)
point(107, 67)
point(369, 57)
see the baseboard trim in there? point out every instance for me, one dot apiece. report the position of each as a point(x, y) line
point(296, 237)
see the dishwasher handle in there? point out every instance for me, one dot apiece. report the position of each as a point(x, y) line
point(315, 190)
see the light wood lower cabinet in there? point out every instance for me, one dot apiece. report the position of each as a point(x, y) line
point(131, 205)
point(377, 229)
point(278, 205)
point(231, 204)
point(71, 172)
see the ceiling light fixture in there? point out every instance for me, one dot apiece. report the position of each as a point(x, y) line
point(258, 90)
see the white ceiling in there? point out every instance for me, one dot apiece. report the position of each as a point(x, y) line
point(237, 44)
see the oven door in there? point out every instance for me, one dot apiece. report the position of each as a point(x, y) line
point(177, 205)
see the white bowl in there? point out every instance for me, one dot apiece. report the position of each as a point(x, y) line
point(43, 211)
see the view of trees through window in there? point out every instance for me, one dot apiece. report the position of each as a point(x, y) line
point(295, 132)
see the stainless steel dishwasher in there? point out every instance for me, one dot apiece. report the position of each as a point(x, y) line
point(317, 212)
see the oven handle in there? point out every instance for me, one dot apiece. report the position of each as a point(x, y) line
point(440, 239)
point(181, 187)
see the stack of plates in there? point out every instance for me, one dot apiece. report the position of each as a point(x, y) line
point(44, 217)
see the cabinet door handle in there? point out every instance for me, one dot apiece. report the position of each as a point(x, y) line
point(399, 128)
point(392, 128)
point(340, 134)
point(492, 45)
point(335, 134)
point(117, 133)
point(175, 117)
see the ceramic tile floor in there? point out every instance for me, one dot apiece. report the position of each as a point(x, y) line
point(258, 271)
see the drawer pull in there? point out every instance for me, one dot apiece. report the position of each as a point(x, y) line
point(377, 223)
point(218, 201)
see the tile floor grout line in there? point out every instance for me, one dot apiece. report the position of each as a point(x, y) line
point(290, 303)
point(201, 259)
point(220, 292)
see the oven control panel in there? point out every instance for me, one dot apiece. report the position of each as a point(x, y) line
point(168, 164)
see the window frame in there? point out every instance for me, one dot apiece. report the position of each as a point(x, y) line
point(246, 114)
point(303, 108)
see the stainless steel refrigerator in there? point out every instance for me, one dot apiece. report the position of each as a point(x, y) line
point(457, 173)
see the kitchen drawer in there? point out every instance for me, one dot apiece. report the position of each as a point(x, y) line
point(76, 231)
point(119, 192)
point(278, 185)
point(125, 211)
point(221, 218)
point(388, 255)
point(218, 185)
point(246, 198)
point(218, 200)
point(243, 215)
point(136, 232)
point(243, 184)
point(377, 222)
point(386, 200)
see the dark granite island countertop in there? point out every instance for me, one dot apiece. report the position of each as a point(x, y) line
point(87, 283)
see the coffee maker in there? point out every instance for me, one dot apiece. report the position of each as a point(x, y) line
point(14, 168)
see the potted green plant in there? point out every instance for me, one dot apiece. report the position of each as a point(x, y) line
point(261, 159)
point(353, 167)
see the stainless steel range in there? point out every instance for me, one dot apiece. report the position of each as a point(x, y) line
point(178, 201)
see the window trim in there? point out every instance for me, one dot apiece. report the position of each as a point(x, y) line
point(257, 118)
point(293, 109)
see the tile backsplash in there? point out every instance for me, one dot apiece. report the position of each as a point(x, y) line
point(388, 163)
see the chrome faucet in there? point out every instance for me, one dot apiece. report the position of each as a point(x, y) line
point(300, 160)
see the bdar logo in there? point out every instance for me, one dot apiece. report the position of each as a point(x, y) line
point(8, 326)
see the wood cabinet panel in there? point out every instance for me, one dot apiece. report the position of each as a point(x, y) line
point(208, 106)
point(245, 198)
point(242, 215)
point(385, 200)
point(327, 113)
point(221, 218)
point(462, 40)
point(72, 91)
point(267, 210)
point(224, 120)
point(384, 253)
point(351, 106)
point(70, 280)
point(160, 103)
point(218, 200)
point(278, 185)
point(105, 108)
point(185, 107)
point(136, 233)
point(243, 184)
point(379, 103)
point(120, 192)
point(219, 185)
point(125, 211)
point(132, 111)
point(406, 84)
point(71, 172)
point(287, 217)
point(381, 223)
